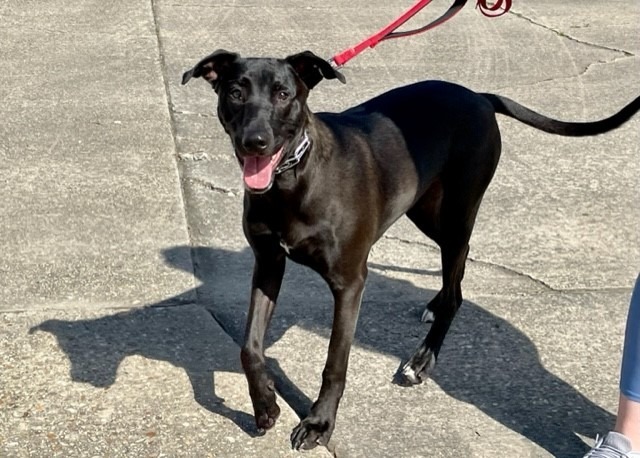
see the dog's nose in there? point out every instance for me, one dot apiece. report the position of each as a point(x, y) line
point(255, 142)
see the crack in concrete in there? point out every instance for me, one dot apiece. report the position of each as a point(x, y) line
point(580, 74)
point(210, 186)
point(569, 37)
point(173, 126)
point(622, 54)
point(194, 113)
point(163, 73)
point(511, 270)
point(224, 327)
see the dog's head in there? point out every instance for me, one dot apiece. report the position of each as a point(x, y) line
point(262, 105)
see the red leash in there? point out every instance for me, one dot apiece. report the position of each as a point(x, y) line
point(498, 8)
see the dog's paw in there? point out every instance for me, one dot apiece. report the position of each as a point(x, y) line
point(416, 370)
point(407, 376)
point(311, 431)
point(266, 418)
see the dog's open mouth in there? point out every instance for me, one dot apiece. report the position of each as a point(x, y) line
point(258, 171)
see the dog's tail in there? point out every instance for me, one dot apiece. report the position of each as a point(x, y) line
point(508, 107)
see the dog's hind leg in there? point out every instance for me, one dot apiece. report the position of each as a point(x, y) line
point(425, 214)
point(449, 300)
point(450, 226)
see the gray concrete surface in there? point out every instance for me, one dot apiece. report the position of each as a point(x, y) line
point(125, 274)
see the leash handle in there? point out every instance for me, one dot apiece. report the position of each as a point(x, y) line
point(498, 8)
point(495, 10)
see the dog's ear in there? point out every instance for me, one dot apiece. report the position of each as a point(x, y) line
point(212, 67)
point(311, 68)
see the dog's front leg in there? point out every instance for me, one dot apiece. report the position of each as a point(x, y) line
point(318, 426)
point(267, 279)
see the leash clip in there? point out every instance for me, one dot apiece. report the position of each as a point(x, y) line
point(334, 64)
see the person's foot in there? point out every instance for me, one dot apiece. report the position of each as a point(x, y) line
point(613, 445)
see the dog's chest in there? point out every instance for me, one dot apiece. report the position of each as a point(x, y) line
point(285, 247)
point(305, 233)
point(301, 246)
point(309, 245)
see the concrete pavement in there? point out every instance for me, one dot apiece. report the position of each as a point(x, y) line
point(125, 273)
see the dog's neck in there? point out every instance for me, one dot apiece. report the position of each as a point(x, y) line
point(314, 154)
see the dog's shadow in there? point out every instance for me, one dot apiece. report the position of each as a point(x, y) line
point(487, 362)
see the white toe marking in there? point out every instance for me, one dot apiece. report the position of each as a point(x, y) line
point(408, 372)
point(427, 316)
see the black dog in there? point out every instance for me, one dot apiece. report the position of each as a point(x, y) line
point(322, 188)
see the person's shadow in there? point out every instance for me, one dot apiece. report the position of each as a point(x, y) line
point(487, 362)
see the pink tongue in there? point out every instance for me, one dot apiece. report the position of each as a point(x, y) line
point(258, 171)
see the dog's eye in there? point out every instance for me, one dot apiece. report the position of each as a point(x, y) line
point(283, 95)
point(235, 94)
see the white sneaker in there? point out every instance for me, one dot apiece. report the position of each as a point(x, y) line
point(613, 445)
